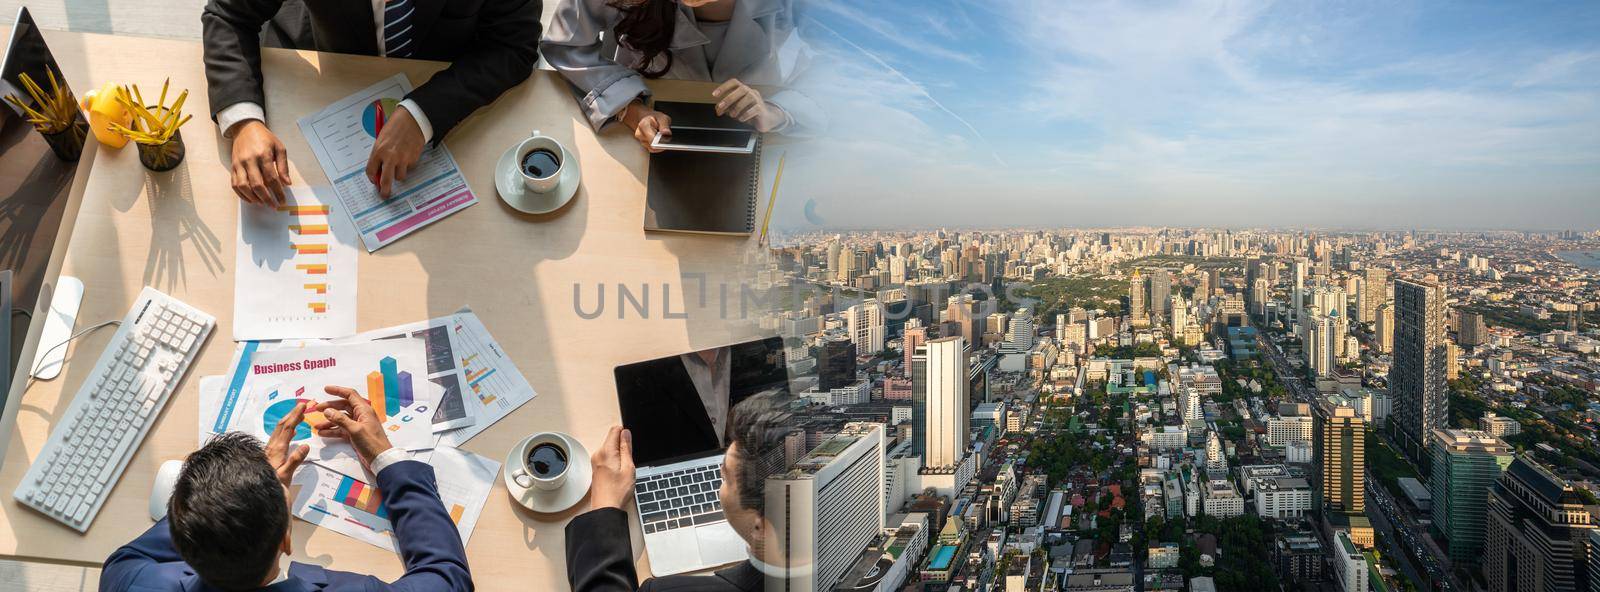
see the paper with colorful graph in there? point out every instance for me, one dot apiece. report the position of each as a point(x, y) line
point(355, 507)
point(295, 270)
point(342, 136)
point(391, 374)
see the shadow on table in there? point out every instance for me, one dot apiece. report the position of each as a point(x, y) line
point(175, 221)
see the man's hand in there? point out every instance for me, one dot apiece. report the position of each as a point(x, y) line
point(351, 418)
point(613, 470)
point(283, 460)
point(745, 104)
point(646, 123)
point(260, 164)
point(398, 147)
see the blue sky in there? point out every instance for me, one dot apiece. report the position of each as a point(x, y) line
point(1333, 114)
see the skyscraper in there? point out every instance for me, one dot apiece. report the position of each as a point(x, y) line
point(914, 335)
point(1376, 289)
point(939, 401)
point(826, 509)
point(1136, 294)
point(838, 362)
point(866, 324)
point(1019, 332)
point(1417, 379)
point(1384, 327)
point(1160, 293)
point(1537, 533)
point(1465, 464)
point(1473, 331)
point(1297, 294)
point(1339, 453)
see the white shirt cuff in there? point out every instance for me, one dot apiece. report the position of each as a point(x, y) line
point(422, 119)
point(238, 113)
point(388, 457)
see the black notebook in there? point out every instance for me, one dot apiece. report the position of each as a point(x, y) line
point(702, 192)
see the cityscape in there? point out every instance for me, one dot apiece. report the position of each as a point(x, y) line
point(1129, 409)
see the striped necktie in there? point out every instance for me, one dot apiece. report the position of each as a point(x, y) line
point(397, 30)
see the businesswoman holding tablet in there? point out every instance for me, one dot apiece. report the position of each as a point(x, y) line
point(606, 48)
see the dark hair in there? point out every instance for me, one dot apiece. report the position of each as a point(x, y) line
point(759, 426)
point(228, 513)
point(646, 28)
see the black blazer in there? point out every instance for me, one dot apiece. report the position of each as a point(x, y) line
point(600, 559)
point(492, 46)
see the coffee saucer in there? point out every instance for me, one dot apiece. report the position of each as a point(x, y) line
point(560, 499)
point(508, 181)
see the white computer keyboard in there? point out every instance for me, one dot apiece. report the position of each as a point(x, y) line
point(91, 444)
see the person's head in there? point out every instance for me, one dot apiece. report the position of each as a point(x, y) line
point(758, 427)
point(228, 514)
point(646, 28)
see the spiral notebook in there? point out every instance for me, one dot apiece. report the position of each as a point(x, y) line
point(702, 192)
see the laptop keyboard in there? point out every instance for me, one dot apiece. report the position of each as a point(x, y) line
point(680, 499)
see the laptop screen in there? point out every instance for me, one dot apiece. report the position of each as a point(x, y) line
point(677, 407)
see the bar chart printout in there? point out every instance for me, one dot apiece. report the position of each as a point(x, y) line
point(493, 385)
point(356, 509)
point(381, 371)
point(295, 271)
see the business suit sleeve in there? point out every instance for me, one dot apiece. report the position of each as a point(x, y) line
point(125, 565)
point(231, 37)
point(506, 50)
point(573, 48)
point(429, 544)
point(599, 554)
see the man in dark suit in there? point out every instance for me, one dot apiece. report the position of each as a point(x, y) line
point(599, 553)
point(228, 519)
point(492, 46)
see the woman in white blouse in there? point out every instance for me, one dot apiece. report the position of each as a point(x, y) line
point(606, 48)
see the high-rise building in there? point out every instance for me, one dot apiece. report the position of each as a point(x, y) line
point(1384, 328)
point(1473, 330)
point(914, 335)
point(1349, 564)
point(1160, 293)
point(1137, 310)
point(838, 367)
point(1216, 459)
point(1019, 332)
point(939, 401)
point(1340, 458)
point(1417, 378)
point(1297, 295)
point(1465, 464)
point(1376, 291)
point(826, 509)
point(866, 324)
point(1538, 532)
point(1320, 347)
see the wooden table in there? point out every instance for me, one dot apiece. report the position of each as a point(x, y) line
point(175, 231)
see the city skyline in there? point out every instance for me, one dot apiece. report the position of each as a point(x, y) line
point(1365, 116)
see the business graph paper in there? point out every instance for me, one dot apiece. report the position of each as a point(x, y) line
point(356, 509)
point(493, 383)
point(296, 271)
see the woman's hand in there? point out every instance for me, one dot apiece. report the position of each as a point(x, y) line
point(646, 123)
point(739, 101)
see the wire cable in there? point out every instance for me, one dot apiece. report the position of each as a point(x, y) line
point(53, 348)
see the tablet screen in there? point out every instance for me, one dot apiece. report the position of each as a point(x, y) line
point(708, 138)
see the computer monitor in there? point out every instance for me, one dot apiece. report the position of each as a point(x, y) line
point(34, 188)
point(677, 407)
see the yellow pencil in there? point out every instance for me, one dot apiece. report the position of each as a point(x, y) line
point(773, 200)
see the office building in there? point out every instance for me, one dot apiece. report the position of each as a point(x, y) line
point(1466, 464)
point(1539, 533)
point(1216, 460)
point(1473, 331)
point(1375, 292)
point(1417, 378)
point(939, 401)
point(838, 368)
point(1137, 310)
point(914, 335)
point(1160, 294)
point(1349, 565)
point(865, 322)
point(1221, 500)
point(1019, 332)
point(1340, 459)
point(1283, 429)
point(1298, 557)
point(1297, 293)
point(1282, 498)
point(1499, 426)
point(826, 509)
point(1383, 328)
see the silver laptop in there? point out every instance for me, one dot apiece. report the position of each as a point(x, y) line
point(677, 411)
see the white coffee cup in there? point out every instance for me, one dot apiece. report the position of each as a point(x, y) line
point(541, 142)
point(525, 474)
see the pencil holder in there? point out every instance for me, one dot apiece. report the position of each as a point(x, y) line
point(68, 143)
point(164, 156)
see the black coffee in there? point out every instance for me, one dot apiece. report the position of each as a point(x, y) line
point(547, 460)
point(540, 163)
